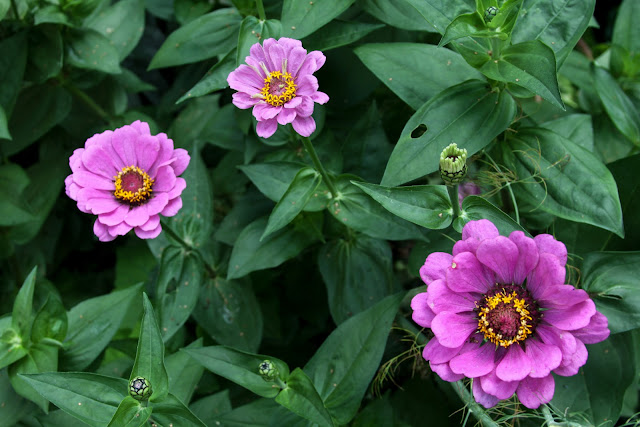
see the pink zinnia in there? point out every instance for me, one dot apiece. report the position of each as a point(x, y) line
point(278, 83)
point(502, 314)
point(127, 177)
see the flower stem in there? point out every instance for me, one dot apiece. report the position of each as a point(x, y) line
point(261, 13)
point(318, 165)
point(88, 101)
point(455, 204)
point(14, 8)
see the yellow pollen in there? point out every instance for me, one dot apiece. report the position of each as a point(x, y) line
point(520, 307)
point(141, 194)
point(278, 88)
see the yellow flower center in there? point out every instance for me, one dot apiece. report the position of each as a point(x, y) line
point(278, 88)
point(133, 185)
point(504, 318)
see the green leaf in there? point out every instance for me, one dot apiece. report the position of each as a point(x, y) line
point(426, 205)
point(395, 64)
point(93, 323)
point(469, 113)
point(40, 358)
point(4, 126)
point(13, 60)
point(183, 375)
point(15, 406)
point(21, 316)
point(576, 127)
point(475, 208)
point(440, 13)
point(209, 408)
point(215, 79)
point(564, 179)
point(89, 397)
point(619, 107)
point(625, 31)
point(273, 178)
point(130, 413)
point(398, 13)
point(51, 321)
point(338, 33)
point(611, 278)
point(171, 411)
point(46, 53)
point(251, 254)
point(252, 31)
point(301, 19)
point(301, 397)
point(122, 24)
point(205, 37)
point(468, 25)
point(178, 289)
point(239, 367)
point(357, 273)
point(188, 10)
point(230, 313)
point(88, 49)
point(531, 65)
point(353, 208)
point(346, 362)
point(11, 346)
point(149, 361)
point(293, 201)
point(599, 388)
point(14, 209)
point(558, 24)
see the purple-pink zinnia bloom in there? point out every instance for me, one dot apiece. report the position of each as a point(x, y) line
point(278, 83)
point(127, 177)
point(502, 314)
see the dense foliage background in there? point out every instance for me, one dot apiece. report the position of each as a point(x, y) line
point(554, 131)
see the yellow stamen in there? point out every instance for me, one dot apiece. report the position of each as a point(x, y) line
point(500, 299)
point(142, 194)
point(278, 88)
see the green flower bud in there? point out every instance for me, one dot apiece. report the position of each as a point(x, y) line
point(140, 388)
point(490, 13)
point(453, 164)
point(268, 370)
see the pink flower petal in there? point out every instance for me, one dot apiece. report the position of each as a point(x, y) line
point(561, 296)
point(565, 341)
point(152, 234)
point(305, 108)
point(494, 386)
point(182, 161)
point(575, 317)
point(515, 365)
point(152, 224)
point(597, 330)
point(88, 179)
point(286, 116)
point(547, 273)
point(480, 229)
point(102, 232)
point(147, 150)
point(137, 216)
point(101, 206)
point(475, 363)
point(307, 85)
point(453, 329)
point(422, 314)
point(165, 155)
point(544, 357)
point(124, 142)
point(243, 100)
point(467, 274)
point(483, 398)
point(320, 97)
point(436, 353)
point(548, 244)
point(264, 111)
point(572, 362)
point(444, 371)
point(440, 298)
point(97, 161)
point(501, 255)
point(119, 229)
point(266, 128)
point(295, 59)
point(305, 126)
point(278, 58)
point(527, 256)
point(534, 392)
point(294, 102)
point(177, 189)
point(435, 267)
point(157, 203)
point(172, 207)
point(141, 127)
point(165, 179)
point(115, 217)
point(71, 188)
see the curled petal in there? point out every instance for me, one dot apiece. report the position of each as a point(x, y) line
point(597, 330)
point(152, 234)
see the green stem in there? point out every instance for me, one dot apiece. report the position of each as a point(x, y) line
point(458, 387)
point(453, 196)
point(14, 7)
point(508, 185)
point(167, 229)
point(261, 13)
point(318, 165)
point(88, 101)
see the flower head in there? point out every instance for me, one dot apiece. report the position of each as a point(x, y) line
point(453, 164)
point(502, 314)
point(127, 177)
point(268, 370)
point(278, 83)
point(140, 388)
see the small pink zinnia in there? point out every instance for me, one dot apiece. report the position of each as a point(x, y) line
point(278, 83)
point(127, 177)
point(502, 314)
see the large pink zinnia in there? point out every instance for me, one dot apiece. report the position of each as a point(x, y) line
point(278, 83)
point(502, 314)
point(127, 177)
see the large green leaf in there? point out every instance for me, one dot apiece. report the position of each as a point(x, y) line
point(301, 397)
point(395, 64)
point(13, 60)
point(89, 49)
point(130, 413)
point(440, 13)
point(475, 208)
point(92, 324)
point(468, 25)
point(205, 37)
point(171, 411)
point(599, 388)
point(149, 361)
point(229, 312)
point(576, 127)
point(122, 24)
point(252, 31)
point(15, 406)
point(239, 367)
point(40, 358)
point(357, 273)
point(468, 113)
point(299, 19)
point(215, 79)
point(89, 397)
point(345, 363)
point(50, 321)
point(183, 375)
point(211, 407)
point(338, 33)
point(562, 178)
point(22, 314)
point(611, 278)
point(531, 65)
point(14, 210)
point(397, 13)
point(626, 32)
point(558, 24)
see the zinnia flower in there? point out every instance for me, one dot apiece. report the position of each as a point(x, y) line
point(127, 177)
point(502, 314)
point(278, 83)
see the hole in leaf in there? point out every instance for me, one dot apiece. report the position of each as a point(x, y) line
point(419, 131)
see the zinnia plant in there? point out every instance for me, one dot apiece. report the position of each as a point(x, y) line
point(128, 178)
point(279, 84)
point(501, 313)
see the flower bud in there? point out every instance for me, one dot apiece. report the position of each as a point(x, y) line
point(268, 370)
point(490, 13)
point(140, 388)
point(453, 164)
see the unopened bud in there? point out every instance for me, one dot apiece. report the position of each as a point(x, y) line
point(268, 370)
point(490, 13)
point(453, 164)
point(140, 388)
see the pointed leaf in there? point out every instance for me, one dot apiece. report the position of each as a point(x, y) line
point(215, 79)
point(171, 411)
point(301, 397)
point(51, 321)
point(13, 60)
point(130, 413)
point(301, 19)
point(122, 24)
point(15, 406)
point(252, 31)
point(21, 316)
point(40, 358)
point(88, 49)
point(475, 208)
point(183, 375)
point(468, 25)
